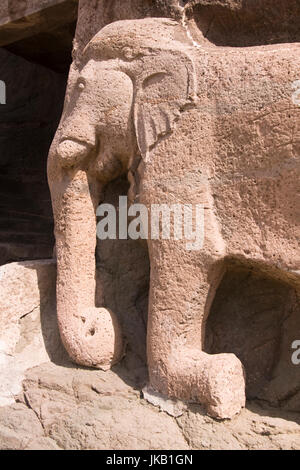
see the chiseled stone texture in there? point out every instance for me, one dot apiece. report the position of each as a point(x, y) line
point(217, 126)
point(92, 16)
point(256, 214)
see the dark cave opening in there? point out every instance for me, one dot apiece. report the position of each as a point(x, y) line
point(258, 318)
point(34, 70)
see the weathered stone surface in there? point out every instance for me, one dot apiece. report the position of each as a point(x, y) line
point(254, 429)
point(246, 23)
point(29, 333)
point(82, 409)
point(18, 426)
point(16, 9)
point(20, 19)
point(25, 287)
point(71, 408)
point(42, 443)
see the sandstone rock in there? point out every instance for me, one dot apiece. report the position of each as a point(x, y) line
point(172, 407)
point(24, 287)
point(18, 426)
point(20, 19)
point(202, 432)
point(254, 429)
point(42, 443)
point(82, 409)
point(72, 408)
point(116, 424)
point(29, 333)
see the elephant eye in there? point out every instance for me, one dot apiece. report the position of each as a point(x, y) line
point(81, 84)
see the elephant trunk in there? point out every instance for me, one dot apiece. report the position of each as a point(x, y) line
point(91, 335)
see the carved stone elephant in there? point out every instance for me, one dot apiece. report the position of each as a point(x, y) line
point(189, 123)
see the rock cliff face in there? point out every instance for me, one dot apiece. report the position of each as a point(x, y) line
point(50, 403)
point(243, 23)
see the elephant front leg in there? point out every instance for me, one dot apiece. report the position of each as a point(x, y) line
point(181, 291)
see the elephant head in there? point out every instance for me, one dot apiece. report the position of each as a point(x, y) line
point(134, 81)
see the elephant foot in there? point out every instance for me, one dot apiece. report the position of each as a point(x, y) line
point(93, 338)
point(224, 376)
point(215, 381)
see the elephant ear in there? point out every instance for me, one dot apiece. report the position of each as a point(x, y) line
point(165, 88)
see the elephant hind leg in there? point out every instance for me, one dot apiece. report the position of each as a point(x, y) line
point(179, 303)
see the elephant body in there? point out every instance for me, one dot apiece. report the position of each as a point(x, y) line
point(190, 123)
